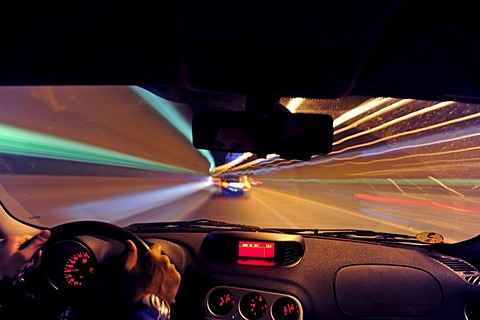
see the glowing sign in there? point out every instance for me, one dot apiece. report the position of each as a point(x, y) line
point(256, 249)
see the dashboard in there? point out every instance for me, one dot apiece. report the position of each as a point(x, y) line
point(266, 276)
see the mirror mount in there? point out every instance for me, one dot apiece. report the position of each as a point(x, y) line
point(264, 104)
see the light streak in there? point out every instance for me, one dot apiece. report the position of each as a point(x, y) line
point(228, 165)
point(377, 181)
point(434, 165)
point(366, 106)
point(396, 186)
point(395, 121)
point(293, 104)
point(380, 151)
point(388, 108)
point(262, 162)
point(410, 132)
point(423, 203)
point(419, 145)
point(444, 186)
point(126, 206)
point(24, 142)
point(440, 153)
point(168, 110)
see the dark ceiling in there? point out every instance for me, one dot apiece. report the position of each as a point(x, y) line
point(216, 52)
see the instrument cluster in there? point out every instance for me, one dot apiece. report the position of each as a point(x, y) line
point(225, 302)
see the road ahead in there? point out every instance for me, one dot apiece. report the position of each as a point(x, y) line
point(54, 199)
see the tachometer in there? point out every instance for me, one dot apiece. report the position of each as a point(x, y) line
point(253, 306)
point(79, 268)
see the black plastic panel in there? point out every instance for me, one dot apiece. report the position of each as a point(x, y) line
point(386, 290)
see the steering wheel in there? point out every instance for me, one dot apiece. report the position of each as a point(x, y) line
point(99, 228)
point(96, 301)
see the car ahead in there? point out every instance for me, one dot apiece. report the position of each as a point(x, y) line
point(359, 118)
point(232, 188)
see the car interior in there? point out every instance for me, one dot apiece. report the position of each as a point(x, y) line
point(347, 133)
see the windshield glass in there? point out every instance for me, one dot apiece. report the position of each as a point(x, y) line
point(124, 155)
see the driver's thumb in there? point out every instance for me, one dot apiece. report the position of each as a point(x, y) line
point(35, 243)
point(131, 255)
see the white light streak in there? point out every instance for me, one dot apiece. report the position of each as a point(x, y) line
point(359, 110)
point(396, 120)
point(293, 104)
point(444, 186)
point(388, 108)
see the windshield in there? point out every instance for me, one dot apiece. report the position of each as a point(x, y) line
point(124, 155)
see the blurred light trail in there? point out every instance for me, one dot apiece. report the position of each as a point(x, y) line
point(229, 165)
point(127, 206)
point(396, 186)
point(418, 143)
point(410, 132)
point(445, 187)
point(294, 103)
point(29, 143)
point(387, 109)
point(423, 203)
point(396, 120)
point(166, 109)
point(260, 162)
point(429, 141)
point(366, 106)
point(467, 183)
point(349, 161)
point(434, 165)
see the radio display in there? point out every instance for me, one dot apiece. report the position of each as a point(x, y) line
point(256, 249)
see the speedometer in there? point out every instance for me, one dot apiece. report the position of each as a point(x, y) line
point(79, 268)
point(70, 263)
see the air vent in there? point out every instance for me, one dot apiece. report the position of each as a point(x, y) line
point(292, 253)
point(462, 268)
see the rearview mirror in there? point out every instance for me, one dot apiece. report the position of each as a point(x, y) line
point(291, 135)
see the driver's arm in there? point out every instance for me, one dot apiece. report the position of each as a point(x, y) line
point(18, 254)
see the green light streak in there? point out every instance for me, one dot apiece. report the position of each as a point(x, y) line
point(24, 142)
point(168, 111)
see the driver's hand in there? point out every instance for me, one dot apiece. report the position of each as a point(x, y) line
point(18, 253)
point(151, 274)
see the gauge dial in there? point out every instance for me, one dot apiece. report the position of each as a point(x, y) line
point(285, 309)
point(221, 301)
point(79, 268)
point(69, 263)
point(253, 306)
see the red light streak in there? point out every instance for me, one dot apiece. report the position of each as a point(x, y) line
point(424, 203)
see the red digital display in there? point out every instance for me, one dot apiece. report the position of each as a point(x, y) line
point(256, 249)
